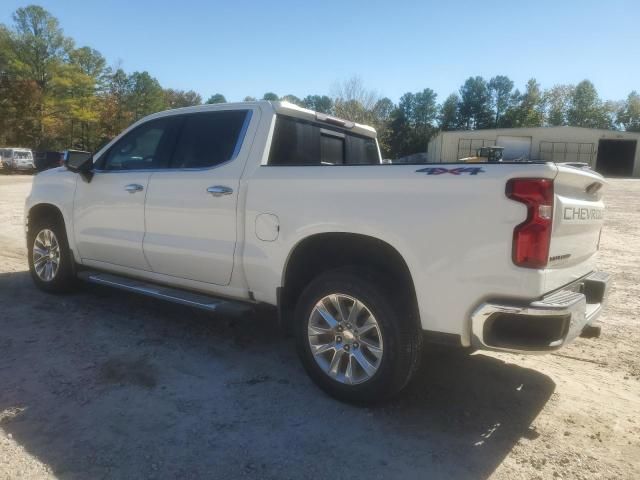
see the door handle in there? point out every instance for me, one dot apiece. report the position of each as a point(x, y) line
point(133, 188)
point(219, 190)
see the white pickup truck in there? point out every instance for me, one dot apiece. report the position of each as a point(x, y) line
point(263, 202)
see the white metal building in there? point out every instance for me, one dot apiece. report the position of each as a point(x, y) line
point(609, 152)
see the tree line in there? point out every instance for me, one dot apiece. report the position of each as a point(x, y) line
point(55, 95)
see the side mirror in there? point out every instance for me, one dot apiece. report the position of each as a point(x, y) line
point(79, 162)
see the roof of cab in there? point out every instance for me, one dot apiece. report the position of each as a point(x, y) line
point(284, 108)
point(293, 110)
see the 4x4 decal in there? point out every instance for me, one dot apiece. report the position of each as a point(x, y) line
point(452, 171)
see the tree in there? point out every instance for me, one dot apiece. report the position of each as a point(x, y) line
point(217, 98)
point(6, 90)
point(557, 100)
point(475, 104)
point(354, 90)
point(318, 103)
point(272, 97)
point(413, 122)
point(353, 101)
point(6, 50)
point(527, 109)
point(399, 136)
point(114, 114)
point(62, 83)
point(20, 101)
point(425, 109)
point(449, 116)
point(610, 109)
point(422, 119)
point(181, 98)
point(79, 82)
point(249, 99)
point(39, 43)
point(72, 108)
point(89, 61)
point(586, 109)
point(500, 88)
point(629, 113)
point(382, 111)
point(39, 49)
point(292, 99)
point(145, 95)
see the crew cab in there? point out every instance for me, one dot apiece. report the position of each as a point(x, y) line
point(366, 262)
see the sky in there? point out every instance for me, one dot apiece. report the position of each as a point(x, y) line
point(242, 47)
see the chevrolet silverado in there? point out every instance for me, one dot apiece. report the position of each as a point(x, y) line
point(366, 262)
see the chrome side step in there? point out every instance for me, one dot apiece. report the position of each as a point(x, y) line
point(175, 295)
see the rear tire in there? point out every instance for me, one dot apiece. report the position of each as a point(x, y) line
point(363, 361)
point(50, 260)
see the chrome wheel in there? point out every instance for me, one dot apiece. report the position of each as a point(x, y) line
point(345, 339)
point(46, 255)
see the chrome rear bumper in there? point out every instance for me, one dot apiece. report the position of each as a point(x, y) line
point(542, 325)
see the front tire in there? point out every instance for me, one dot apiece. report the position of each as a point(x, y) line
point(358, 341)
point(50, 260)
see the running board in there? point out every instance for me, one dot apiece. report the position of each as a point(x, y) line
point(175, 295)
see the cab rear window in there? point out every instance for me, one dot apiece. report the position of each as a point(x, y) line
point(299, 142)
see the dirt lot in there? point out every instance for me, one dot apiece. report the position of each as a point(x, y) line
point(102, 384)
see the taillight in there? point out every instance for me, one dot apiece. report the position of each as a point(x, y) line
point(532, 237)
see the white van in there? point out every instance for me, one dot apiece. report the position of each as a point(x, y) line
point(17, 159)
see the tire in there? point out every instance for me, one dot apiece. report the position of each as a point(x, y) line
point(397, 338)
point(63, 280)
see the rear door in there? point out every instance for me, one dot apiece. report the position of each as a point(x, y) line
point(190, 210)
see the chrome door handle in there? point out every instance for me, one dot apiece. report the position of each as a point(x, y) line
point(133, 188)
point(219, 190)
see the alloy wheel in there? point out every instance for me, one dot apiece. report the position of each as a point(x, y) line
point(46, 255)
point(345, 339)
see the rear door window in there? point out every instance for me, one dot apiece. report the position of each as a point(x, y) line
point(208, 139)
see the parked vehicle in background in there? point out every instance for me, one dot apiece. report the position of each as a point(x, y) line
point(17, 159)
point(262, 202)
point(485, 155)
point(48, 159)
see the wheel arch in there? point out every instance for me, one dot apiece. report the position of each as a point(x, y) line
point(50, 210)
point(45, 210)
point(321, 252)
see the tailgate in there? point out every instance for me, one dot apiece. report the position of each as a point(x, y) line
point(577, 222)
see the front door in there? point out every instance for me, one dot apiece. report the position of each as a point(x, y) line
point(109, 210)
point(191, 206)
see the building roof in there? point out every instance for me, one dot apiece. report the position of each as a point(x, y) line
point(547, 128)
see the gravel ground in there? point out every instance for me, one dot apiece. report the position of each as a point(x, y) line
point(101, 384)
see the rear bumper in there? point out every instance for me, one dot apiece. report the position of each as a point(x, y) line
point(21, 166)
point(542, 325)
point(24, 167)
